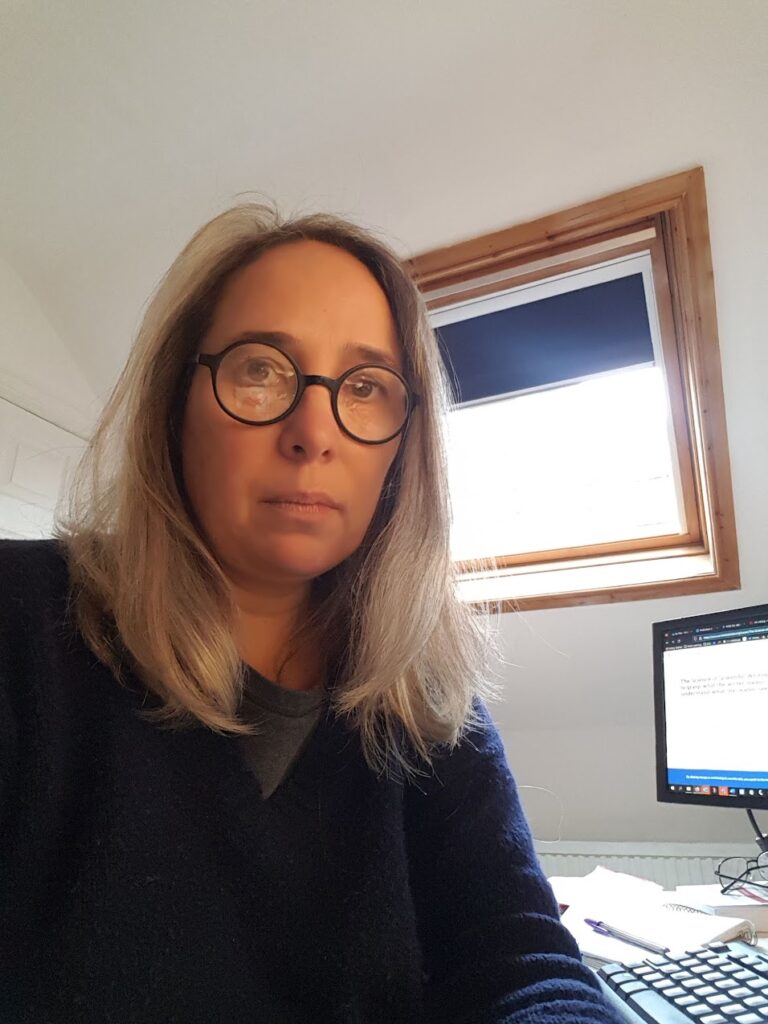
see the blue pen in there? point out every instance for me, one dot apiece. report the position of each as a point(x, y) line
point(616, 933)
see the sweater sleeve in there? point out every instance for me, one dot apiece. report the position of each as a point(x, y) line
point(8, 744)
point(494, 949)
point(9, 740)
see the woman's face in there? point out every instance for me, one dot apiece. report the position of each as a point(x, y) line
point(332, 308)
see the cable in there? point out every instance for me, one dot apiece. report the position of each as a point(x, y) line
point(543, 789)
point(760, 837)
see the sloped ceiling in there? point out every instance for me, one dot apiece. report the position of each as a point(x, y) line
point(124, 126)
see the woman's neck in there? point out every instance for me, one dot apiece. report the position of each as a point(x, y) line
point(263, 628)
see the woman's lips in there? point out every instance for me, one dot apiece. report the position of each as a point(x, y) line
point(308, 499)
point(301, 508)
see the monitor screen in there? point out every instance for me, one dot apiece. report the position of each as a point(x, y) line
point(711, 701)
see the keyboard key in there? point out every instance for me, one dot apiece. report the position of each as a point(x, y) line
point(758, 983)
point(607, 969)
point(714, 1018)
point(663, 985)
point(732, 1009)
point(726, 985)
point(652, 1005)
point(720, 999)
point(704, 991)
point(748, 1018)
point(740, 992)
point(614, 980)
point(686, 1000)
point(629, 987)
point(757, 1000)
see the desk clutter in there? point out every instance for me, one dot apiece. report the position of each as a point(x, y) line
point(664, 956)
point(613, 917)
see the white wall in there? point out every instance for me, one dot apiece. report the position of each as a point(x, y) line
point(37, 460)
point(37, 372)
point(46, 410)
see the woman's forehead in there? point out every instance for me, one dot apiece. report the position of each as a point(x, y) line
point(312, 292)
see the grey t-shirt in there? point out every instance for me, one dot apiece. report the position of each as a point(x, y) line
point(287, 719)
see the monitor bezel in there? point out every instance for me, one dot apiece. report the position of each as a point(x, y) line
point(662, 793)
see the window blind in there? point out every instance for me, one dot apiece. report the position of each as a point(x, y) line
point(549, 341)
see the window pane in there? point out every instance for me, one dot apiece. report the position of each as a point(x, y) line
point(587, 463)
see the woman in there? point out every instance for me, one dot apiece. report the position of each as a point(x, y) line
point(294, 807)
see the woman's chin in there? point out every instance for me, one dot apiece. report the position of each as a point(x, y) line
point(299, 562)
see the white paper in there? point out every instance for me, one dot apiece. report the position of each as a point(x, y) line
point(636, 906)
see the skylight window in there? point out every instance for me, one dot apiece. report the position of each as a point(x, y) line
point(588, 456)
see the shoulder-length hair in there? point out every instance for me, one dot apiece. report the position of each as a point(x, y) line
point(148, 593)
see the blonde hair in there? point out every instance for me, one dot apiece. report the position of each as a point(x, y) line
point(148, 594)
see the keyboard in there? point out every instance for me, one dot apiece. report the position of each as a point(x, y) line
point(722, 983)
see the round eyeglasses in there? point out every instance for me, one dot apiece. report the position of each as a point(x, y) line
point(743, 872)
point(257, 383)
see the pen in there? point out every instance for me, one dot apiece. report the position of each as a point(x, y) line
point(616, 933)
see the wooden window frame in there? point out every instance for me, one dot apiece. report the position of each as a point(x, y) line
point(669, 218)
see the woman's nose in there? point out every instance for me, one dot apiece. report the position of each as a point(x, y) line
point(311, 429)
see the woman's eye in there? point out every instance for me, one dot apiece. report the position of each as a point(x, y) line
point(257, 368)
point(260, 371)
point(364, 388)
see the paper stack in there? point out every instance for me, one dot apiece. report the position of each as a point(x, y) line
point(752, 908)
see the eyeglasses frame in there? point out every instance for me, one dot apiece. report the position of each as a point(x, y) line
point(728, 882)
point(214, 361)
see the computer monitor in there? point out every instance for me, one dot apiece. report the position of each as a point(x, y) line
point(711, 703)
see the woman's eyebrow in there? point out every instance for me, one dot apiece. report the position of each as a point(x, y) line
point(364, 353)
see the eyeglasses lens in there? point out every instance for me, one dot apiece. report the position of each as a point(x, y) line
point(258, 383)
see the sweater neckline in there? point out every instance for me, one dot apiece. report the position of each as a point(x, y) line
point(270, 696)
point(329, 748)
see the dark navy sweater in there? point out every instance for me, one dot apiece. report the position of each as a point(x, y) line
point(144, 878)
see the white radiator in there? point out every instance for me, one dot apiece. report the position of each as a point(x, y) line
point(669, 864)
